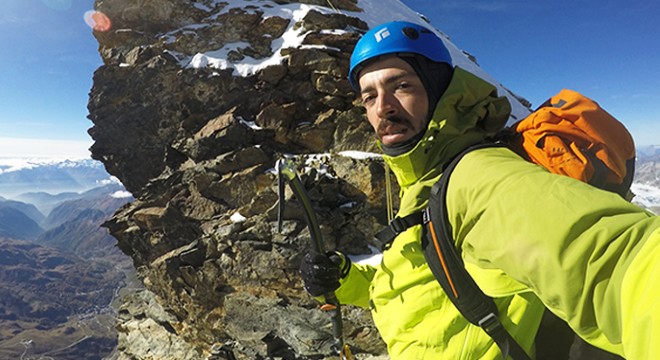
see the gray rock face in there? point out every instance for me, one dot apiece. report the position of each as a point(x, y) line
point(196, 146)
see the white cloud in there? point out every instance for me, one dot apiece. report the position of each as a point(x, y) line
point(23, 148)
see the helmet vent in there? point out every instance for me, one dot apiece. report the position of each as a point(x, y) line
point(410, 33)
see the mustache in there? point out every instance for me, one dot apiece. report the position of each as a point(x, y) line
point(392, 120)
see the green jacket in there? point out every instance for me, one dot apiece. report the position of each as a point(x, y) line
point(411, 311)
point(526, 236)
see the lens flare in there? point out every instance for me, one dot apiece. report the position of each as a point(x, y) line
point(97, 20)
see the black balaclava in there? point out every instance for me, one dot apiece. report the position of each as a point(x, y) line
point(435, 77)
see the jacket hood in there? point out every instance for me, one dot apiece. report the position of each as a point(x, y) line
point(467, 113)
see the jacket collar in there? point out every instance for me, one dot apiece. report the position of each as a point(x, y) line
point(467, 113)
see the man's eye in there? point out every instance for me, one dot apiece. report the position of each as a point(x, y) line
point(368, 99)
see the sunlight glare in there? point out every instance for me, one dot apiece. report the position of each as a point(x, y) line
point(97, 20)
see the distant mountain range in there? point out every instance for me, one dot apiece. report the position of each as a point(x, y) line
point(648, 152)
point(51, 177)
point(647, 178)
point(75, 224)
point(41, 215)
point(15, 223)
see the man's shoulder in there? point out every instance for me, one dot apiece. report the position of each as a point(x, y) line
point(492, 163)
point(495, 156)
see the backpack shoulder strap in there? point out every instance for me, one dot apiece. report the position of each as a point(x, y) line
point(396, 227)
point(448, 267)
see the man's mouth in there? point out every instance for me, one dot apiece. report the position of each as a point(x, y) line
point(394, 130)
point(393, 134)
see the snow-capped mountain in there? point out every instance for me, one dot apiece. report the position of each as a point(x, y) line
point(18, 176)
point(648, 153)
point(646, 186)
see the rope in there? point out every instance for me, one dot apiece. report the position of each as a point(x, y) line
point(388, 194)
point(333, 7)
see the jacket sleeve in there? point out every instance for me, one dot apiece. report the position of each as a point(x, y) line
point(589, 255)
point(355, 286)
point(640, 292)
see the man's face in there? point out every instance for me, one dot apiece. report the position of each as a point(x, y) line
point(395, 100)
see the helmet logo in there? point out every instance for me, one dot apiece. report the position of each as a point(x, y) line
point(381, 34)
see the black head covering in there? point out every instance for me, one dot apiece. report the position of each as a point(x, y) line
point(435, 77)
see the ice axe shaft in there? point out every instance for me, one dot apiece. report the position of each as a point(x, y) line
point(287, 174)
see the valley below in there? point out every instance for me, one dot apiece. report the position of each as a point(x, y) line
point(62, 275)
point(59, 306)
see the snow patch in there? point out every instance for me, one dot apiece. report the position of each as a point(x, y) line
point(237, 217)
point(373, 259)
point(374, 13)
point(249, 124)
point(360, 155)
point(248, 66)
point(122, 194)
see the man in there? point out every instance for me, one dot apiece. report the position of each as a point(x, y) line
point(593, 265)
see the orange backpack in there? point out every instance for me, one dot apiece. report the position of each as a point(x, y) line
point(572, 135)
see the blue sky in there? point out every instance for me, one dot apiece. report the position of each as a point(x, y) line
point(607, 49)
point(47, 58)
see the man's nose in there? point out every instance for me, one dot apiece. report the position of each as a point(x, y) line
point(386, 105)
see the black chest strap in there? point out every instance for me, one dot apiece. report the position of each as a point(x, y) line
point(386, 236)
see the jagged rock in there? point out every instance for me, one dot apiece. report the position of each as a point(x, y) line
point(196, 144)
point(317, 21)
point(146, 331)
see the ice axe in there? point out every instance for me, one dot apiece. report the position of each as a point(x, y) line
point(286, 173)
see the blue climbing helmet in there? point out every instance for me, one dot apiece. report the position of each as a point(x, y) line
point(396, 37)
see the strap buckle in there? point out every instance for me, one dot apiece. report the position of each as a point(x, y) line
point(426, 215)
point(489, 322)
point(398, 225)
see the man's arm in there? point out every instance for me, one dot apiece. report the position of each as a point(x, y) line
point(355, 286)
point(572, 244)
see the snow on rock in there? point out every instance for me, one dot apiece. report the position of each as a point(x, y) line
point(237, 218)
point(372, 259)
point(292, 38)
point(122, 194)
point(375, 12)
point(360, 154)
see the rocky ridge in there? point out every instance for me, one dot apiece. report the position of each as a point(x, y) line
point(197, 145)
